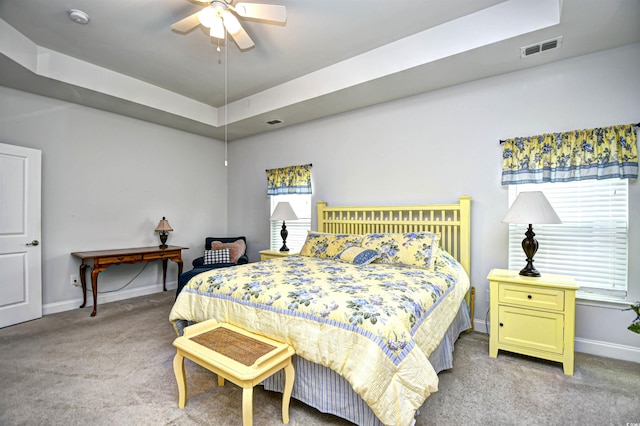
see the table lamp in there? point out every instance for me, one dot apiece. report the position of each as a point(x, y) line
point(284, 212)
point(163, 228)
point(528, 208)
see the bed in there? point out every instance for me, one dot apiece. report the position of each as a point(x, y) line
point(371, 326)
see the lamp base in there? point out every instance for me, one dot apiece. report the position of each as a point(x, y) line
point(529, 271)
point(163, 240)
point(530, 247)
point(284, 234)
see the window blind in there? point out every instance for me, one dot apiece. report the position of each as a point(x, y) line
point(297, 229)
point(591, 242)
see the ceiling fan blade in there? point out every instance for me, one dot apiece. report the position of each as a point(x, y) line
point(186, 24)
point(242, 39)
point(268, 12)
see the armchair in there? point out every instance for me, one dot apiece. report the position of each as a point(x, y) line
point(200, 266)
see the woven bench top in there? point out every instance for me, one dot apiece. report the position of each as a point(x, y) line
point(243, 349)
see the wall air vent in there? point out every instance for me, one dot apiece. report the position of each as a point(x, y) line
point(543, 46)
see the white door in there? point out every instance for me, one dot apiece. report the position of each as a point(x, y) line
point(20, 254)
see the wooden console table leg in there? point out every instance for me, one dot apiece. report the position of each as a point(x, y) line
point(289, 375)
point(247, 406)
point(164, 274)
point(83, 281)
point(178, 370)
point(94, 287)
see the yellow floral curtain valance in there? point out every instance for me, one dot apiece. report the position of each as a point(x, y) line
point(601, 153)
point(289, 180)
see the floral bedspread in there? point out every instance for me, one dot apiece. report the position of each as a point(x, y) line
point(375, 324)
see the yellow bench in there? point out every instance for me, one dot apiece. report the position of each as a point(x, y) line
point(237, 355)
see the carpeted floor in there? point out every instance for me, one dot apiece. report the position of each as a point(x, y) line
point(116, 368)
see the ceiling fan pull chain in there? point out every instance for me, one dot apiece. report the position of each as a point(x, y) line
point(226, 100)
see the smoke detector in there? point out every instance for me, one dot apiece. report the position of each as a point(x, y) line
point(78, 16)
point(540, 47)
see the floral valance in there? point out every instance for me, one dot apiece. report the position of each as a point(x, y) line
point(601, 153)
point(289, 180)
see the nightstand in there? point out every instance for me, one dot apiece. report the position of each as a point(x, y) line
point(272, 254)
point(533, 316)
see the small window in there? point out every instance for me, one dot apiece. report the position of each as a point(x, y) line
point(301, 204)
point(590, 244)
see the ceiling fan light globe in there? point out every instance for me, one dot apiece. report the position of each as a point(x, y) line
point(206, 16)
point(217, 29)
point(231, 23)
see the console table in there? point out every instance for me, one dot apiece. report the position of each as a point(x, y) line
point(102, 259)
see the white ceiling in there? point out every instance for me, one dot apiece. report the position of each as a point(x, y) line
point(329, 57)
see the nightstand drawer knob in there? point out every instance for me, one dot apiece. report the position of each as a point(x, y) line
point(529, 296)
point(501, 325)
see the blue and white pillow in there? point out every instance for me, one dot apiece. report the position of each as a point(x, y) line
point(216, 256)
point(357, 255)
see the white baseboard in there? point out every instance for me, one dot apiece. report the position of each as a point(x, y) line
point(68, 305)
point(588, 346)
point(607, 349)
point(480, 326)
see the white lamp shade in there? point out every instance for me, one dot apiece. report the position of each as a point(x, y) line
point(530, 208)
point(283, 211)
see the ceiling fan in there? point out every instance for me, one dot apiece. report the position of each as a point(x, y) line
point(220, 17)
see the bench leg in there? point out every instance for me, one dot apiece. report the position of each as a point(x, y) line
point(288, 387)
point(220, 380)
point(178, 370)
point(247, 406)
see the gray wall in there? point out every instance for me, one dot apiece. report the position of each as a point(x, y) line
point(437, 146)
point(107, 180)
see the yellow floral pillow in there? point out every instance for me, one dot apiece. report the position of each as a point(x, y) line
point(323, 245)
point(411, 248)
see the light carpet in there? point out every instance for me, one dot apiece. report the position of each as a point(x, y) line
point(116, 368)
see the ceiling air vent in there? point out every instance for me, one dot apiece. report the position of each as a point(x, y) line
point(533, 49)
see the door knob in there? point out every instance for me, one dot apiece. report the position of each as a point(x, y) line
point(33, 243)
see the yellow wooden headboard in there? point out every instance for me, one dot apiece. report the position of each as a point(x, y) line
point(451, 221)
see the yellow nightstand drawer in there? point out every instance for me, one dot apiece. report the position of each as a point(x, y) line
point(531, 297)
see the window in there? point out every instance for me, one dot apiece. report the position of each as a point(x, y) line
point(591, 242)
point(301, 204)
